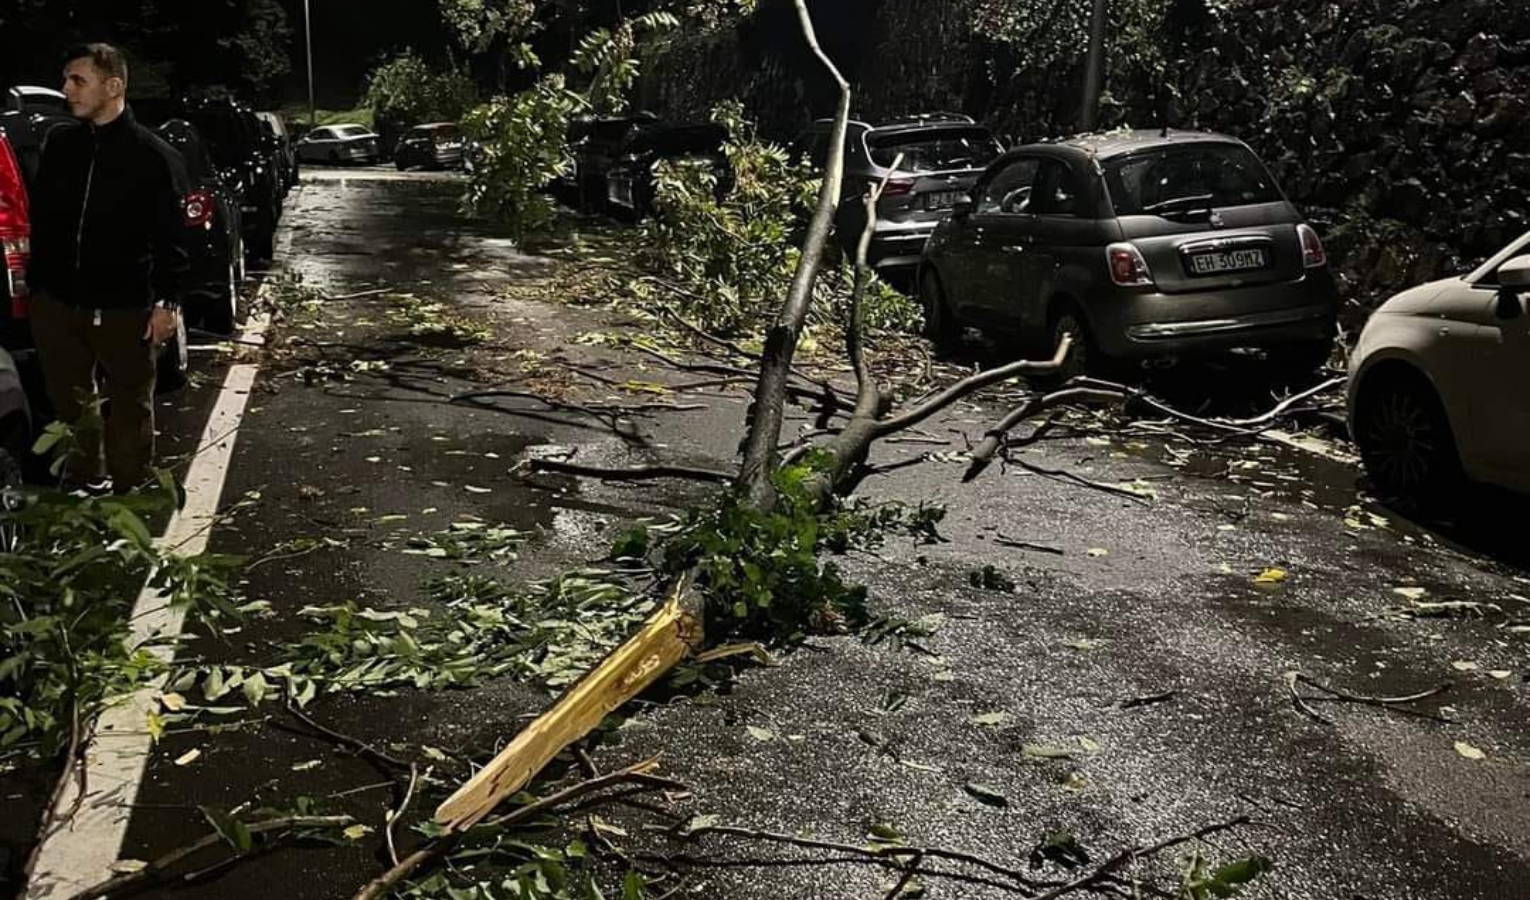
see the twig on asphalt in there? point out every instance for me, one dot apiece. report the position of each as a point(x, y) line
point(75, 771)
point(361, 747)
point(1005, 540)
point(403, 806)
point(1075, 478)
point(1300, 702)
point(887, 855)
point(440, 847)
point(908, 875)
point(635, 473)
point(156, 868)
point(1391, 704)
point(1148, 700)
point(375, 292)
point(1106, 871)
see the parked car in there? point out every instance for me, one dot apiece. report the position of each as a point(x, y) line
point(336, 144)
point(630, 182)
point(1141, 245)
point(30, 113)
point(942, 156)
point(286, 156)
point(243, 154)
point(594, 143)
point(215, 237)
point(436, 146)
point(1437, 385)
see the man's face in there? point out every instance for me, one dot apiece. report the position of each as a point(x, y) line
point(88, 90)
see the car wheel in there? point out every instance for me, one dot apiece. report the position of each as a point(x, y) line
point(1404, 437)
point(940, 326)
point(334, 158)
point(173, 362)
point(1083, 358)
point(263, 241)
point(401, 165)
point(223, 313)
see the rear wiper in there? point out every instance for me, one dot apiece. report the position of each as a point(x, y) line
point(1196, 203)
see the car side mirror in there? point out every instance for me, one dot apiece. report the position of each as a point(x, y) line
point(1514, 275)
point(962, 208)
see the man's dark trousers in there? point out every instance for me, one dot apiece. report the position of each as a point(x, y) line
point(75, 345)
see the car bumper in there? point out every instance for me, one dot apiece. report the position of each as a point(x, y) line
point(1149, 325)
point(896, 245)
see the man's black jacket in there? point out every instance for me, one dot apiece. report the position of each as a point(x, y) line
point(108, 217)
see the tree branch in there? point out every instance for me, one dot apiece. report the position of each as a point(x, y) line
point(971, 385)
point(764, 435)
point(120, 883)
point(1107, 869)
point(998, 436)
point(635, 473)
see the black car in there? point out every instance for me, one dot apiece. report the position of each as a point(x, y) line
point(594, 142)
point(436, 146)
point(630, 182)
point(286, 155)
point(246, 156)
point(939, 157)
point(1141, 245)
point(215, 237)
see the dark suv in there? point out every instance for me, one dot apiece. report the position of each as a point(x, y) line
point(943, 155)
point(1141, 244)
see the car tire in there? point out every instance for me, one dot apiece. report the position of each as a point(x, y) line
point(1405, 440)
point(401, 165)
point(334, 158)
point(173, 363)
point(1084, 358)
point(940, 325)
point(222, 314)
point(263, 242)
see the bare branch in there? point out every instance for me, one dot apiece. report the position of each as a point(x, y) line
point(760, 453)
point(997, 437)
point(120, 883)
point(636, 473)
point(362, 749)
point(1107, 870)
point(972, 384)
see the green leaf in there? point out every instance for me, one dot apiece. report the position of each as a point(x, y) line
point(1225, 881)
point(634, 886)
point(885, 832)
point(234, 832)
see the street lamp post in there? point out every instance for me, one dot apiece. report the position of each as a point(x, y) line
point(1094, 73)
point(313, 115)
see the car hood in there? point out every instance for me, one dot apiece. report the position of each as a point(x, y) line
point(1416, 301)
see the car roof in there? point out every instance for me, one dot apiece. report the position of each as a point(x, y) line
point(1104, 145)
point(919, 122)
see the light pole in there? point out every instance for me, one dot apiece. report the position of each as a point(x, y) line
point(313, 115)
point(1094, 73)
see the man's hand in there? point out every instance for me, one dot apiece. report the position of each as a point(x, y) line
point(162, 324)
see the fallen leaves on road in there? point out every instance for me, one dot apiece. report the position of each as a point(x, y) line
point(1272, 576)
point(985, 794)
point(991, 719)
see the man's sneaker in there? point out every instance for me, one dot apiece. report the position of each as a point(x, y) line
point(97, 487)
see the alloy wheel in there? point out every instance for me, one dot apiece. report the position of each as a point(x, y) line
point(1402, 441)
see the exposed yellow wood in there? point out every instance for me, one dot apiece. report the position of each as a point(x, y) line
point(671, 634)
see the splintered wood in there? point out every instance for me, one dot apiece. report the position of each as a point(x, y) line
point(671, 634)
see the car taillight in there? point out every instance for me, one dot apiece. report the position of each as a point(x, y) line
point(15, 229)
point(199, 209)
point(896, 187)
point(1313, 254)
point(1127, 267)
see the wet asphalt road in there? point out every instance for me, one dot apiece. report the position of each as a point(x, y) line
point(1144, 599)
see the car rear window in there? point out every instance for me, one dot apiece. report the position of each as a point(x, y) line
point(934, 150)
point(223, 134)
point(346, 131)
point(1186, 177)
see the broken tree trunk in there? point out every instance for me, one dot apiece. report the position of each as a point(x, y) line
point(670, 635)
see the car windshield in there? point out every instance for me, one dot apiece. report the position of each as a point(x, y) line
point(935, 150)
point(1188, 177)
point(350, 131)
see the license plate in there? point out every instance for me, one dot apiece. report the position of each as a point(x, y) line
point(1228, 261)
point(941, 199)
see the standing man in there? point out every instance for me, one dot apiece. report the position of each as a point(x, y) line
point(108, 264)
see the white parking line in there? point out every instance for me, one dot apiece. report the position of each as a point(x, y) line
point(81, 849)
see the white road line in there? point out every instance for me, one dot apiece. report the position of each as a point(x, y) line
point(81, 850)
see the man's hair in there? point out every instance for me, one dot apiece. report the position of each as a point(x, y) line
point(108, 60)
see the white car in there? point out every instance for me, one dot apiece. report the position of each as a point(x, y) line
point(336, 144)
point(1439, 385)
